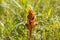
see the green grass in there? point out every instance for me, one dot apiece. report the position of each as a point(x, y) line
point(13, 16)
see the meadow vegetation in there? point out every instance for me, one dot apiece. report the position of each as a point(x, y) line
point(13, 16)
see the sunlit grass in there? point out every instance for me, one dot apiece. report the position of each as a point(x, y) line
point(13, 15)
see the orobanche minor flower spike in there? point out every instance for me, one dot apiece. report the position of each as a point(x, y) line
point(31, 22)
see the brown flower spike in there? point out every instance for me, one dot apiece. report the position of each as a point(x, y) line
point(30, 20)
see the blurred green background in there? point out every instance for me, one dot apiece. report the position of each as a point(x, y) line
point(13, 16)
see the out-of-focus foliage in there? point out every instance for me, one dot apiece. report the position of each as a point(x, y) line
point(13, 15)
